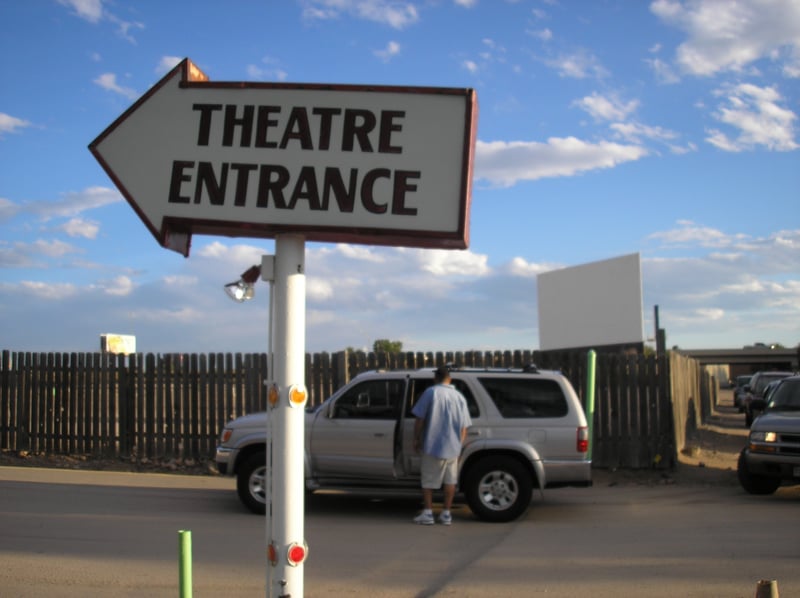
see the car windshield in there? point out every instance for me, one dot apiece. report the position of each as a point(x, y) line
point(764, 379)
point(787, 396)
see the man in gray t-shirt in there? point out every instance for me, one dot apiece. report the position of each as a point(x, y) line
point(439, 433)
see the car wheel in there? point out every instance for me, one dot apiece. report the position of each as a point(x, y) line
point(754, 484)
point(748, 419)
point(251, 482)
point(498, 489)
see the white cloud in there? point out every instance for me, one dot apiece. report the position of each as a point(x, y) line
point(725, 35)
point(634, 132)
point(89, 10)
point(663, 71)
point(442, 262)
point(226, 262)
point(521, 267)
point(48, 290)
point(95, 12)
point(579, 64)
point(271, 71)
point(11, 257)
point(78, 227)
point(710, 313)
point(8, 209)
point(690, 233)
point(751, 285)
point(167, 63)
point(52, 248)
point(544, 35)
point(361, 253)
point(119, 286)
point(607, 107)
point(319, 290)
point(73, 203)
point(11, 124)
point(761, 122)
point(391, 50)
point(181, 315)
point(183, 280)
point(396, 14)
point(108, 81)
point(505, 163)
point(29, 254)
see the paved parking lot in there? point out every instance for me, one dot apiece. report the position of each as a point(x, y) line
point(68, 533)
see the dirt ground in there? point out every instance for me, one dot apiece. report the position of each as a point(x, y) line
point(709, 457)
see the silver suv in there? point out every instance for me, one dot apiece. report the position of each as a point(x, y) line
point(528, 430)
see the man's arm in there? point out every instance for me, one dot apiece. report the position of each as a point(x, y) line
point(419, 426)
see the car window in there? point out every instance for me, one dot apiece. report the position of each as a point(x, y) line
point(371, 399)
point(522, 398)
point(418, 386)
point(765, 379)
point(786, 396)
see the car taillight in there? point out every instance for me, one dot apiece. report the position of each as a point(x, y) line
point(583, 439)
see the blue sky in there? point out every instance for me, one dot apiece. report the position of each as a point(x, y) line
point(668, 128)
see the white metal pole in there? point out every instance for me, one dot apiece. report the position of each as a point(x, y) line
point(268, 275)
point(285, 579)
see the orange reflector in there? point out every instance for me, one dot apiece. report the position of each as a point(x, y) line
point(297, 395)
point(272, 554)
point(273, 395)
point(296, 554)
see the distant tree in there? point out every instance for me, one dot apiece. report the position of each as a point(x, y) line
point(384, 345)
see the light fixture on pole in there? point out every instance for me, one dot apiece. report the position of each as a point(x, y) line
point(244, 289)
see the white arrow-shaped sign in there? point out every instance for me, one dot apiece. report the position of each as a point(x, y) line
point(336, 163)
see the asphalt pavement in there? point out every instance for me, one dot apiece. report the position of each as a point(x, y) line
point(83, 533)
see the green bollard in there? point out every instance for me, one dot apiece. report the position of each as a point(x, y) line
point(185, 571)
point(590, 383)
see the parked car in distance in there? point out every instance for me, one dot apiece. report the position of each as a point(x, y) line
point(756, 406)
point(755, 390)
point(528, 431)
point(772, 455)
point(739, 391)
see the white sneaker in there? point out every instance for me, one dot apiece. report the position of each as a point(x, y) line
point(445, 518)
point(424, 519)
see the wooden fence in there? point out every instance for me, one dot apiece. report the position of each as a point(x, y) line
point(173, 406)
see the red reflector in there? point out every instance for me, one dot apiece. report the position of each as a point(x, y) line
point(296, 554)
point(583, 439)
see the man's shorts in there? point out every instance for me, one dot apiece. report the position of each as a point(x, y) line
point(434, 471)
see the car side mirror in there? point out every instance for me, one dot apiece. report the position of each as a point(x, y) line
point(758, 404)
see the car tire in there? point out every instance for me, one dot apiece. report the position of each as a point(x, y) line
point(498, 489)
point(748, 419)
point(754, 484)
point(251, 480)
